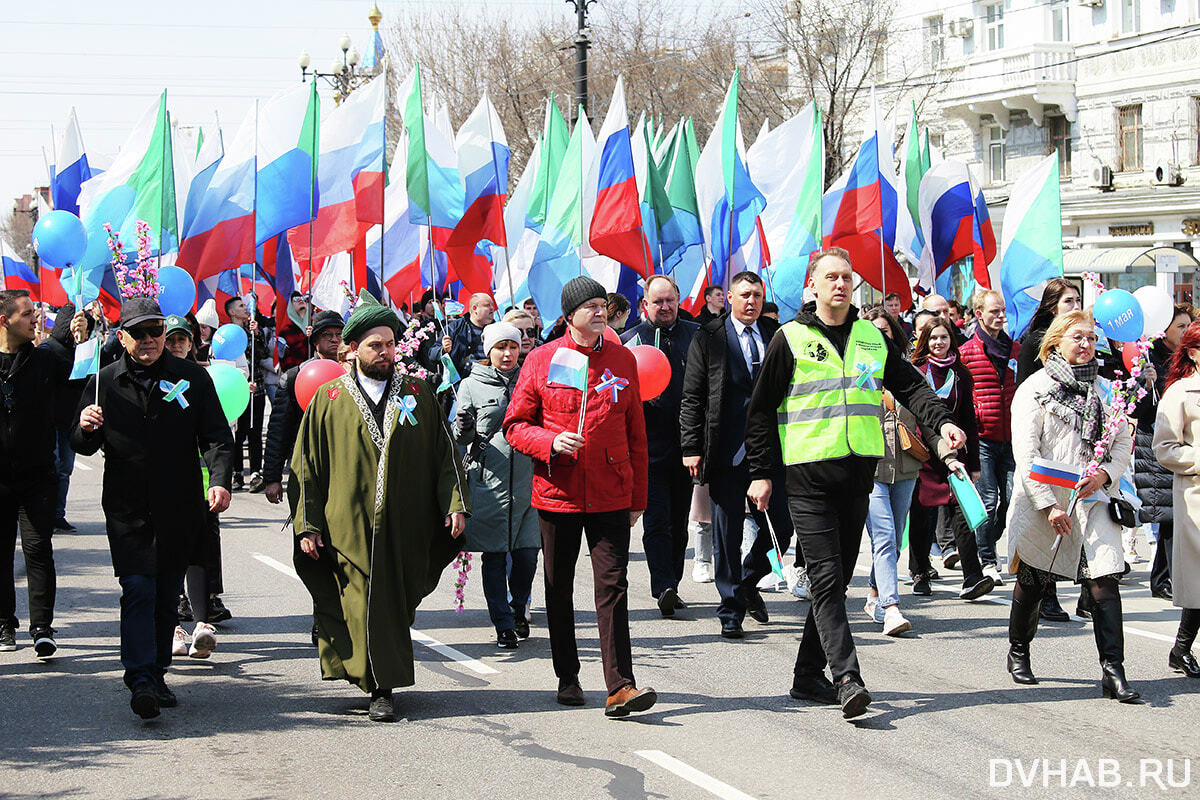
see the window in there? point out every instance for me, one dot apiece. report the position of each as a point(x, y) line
point(1131, 16)
point(1059, 30)
point(994, 23)
point(994, 141)
point(1129, 138)
point(1058, 131)
point(935, 43)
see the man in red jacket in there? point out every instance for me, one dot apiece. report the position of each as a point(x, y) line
point(991, 358)
point(588, 479)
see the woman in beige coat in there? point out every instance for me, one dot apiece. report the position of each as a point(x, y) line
point(1059, 414)
point(1177, 447)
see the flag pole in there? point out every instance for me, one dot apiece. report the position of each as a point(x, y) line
point(581, 118)
point(312, 182)
point(882, 265)
point(496, 169)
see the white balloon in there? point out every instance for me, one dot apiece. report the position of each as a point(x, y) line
point(1158, 309)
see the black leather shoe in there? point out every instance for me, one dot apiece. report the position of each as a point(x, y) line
point(521, 626)
point(507, 639)
point(731, 629)
point(1018, 664)
point(570, 693)
point(1163, 593)
point(921, 586)
point(61, 524)
point(852, 696)
point(1114, 684)
point(679, 604)
point(144, 701)
point(166, 698)
point(815, 688)
point(757, 609)
point(217, 612)
point(1052, 611)
point(381, 708)
point(1185, 663)
point(667, 602)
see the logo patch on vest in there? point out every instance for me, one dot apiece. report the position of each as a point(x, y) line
point(816, 351)
point(334, 392)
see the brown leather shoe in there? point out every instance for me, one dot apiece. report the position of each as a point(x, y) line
point(570, 694)
point(628, 699)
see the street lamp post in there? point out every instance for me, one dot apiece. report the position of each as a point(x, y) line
point(344, 75)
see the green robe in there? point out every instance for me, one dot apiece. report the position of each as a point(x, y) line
point(381, 519)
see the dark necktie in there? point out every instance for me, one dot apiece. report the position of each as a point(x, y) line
point(755, 353)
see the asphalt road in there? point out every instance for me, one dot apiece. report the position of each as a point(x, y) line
point(255, 721)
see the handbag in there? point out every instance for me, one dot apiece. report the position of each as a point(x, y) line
point(909, 441)
point(1121, 512)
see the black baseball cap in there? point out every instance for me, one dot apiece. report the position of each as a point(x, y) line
point(137, 310)
point(326, 319)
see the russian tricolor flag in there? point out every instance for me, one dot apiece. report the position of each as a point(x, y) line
point(483, 164)
point(18, 274)
point(71, 168)
point(616, 230)
point(1055, 473)
point(395, 250)
point(956, 225)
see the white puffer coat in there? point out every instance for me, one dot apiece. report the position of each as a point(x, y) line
point(1038, 432)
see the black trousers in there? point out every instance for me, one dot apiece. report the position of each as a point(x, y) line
point(829, 531)
point(1160, 570)
point(664, 525)
point(921, 523)
point(32, 511)
point(250, 427)
point(737, 578)
point(608, 545)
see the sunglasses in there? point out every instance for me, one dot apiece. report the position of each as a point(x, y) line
point(526, 332)
point(146, 332)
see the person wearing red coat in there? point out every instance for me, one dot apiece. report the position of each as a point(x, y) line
point(991, 358)
point(588, 480)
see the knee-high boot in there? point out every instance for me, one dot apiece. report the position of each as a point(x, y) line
point(1107, 623)
point(1022, 626)
point(1181, 658)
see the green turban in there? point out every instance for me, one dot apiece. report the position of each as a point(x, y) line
point(369, 313)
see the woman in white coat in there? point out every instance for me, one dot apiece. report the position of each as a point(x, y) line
point(1177, 447)
point(1059, 415)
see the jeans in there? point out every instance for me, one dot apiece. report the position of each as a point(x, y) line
point(499, 582)
point(664, 525)
point(996, 467)
point(885, 523)
point(64, 463)
point(32, 512)
point(148, 620)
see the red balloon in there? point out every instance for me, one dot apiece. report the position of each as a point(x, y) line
point(610, 335)
point(1129, 354)
point(654, 370)
point(314, 374)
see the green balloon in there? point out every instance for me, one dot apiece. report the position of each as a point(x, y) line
point(232, 389)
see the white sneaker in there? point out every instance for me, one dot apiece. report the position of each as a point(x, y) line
point(871, 608)
point(894, 622)
point(179, 646)
point(990, 571)
point(770, 583)
point(204, 640)
point(702, 571)
point(797, 581)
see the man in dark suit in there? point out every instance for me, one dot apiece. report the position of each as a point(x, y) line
point(723, 363)
point(669, 486)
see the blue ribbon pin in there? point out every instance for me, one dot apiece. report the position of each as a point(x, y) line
point(407, 404)
point(174, 392)
point(866, 378)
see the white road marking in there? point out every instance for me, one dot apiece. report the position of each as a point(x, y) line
point(418, 637)
point(693, 775)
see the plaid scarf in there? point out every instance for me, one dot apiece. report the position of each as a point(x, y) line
point(1074, 396)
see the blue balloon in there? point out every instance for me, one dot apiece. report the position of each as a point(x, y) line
point(229, 341)
point(1119, 315)
point(59, 239)
point(177, 291)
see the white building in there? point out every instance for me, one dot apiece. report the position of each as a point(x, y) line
point(1113, 85)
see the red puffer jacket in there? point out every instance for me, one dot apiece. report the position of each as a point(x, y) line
point(993, 393)
point(609, 472)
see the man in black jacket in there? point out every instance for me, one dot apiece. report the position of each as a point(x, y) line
point(669, 485)
point(828, 496)
point(724, 363)
point(157, 414)
point(325, 340)
point(29, 382)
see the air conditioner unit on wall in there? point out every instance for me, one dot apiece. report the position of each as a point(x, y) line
point(961, 27)
point(1166, 174)
point(1102, 177)
point(1092, 3)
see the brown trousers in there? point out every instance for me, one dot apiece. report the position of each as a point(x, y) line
point(608, 544)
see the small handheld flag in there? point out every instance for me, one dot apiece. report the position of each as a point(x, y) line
point(87, 359)
point(449, 373)
point(568, 368)
point(1055, 473)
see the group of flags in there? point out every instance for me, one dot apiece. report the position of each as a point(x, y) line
point(298, 191)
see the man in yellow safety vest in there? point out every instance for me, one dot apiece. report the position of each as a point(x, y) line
point(817, 411)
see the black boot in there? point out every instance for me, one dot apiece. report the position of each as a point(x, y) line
point(1181, 658)
point(1110, 643)
point(1083, 608)
point(1052, 610)
point(1022, 626)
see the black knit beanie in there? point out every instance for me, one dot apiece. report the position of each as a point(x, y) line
point(578, 291)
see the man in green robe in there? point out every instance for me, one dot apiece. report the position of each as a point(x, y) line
point(379, 503)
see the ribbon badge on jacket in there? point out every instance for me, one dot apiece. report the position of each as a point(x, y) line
point(174, 391)
point(866, 375)
point(611, 383)
point(946, 388)
point(407, 404)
